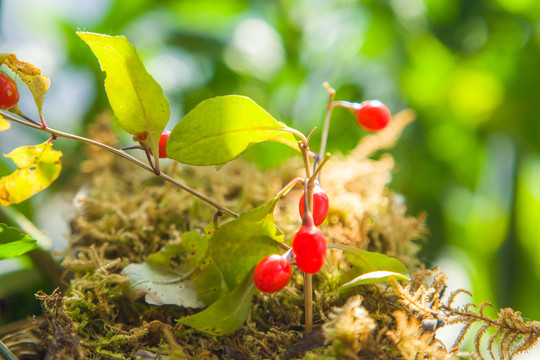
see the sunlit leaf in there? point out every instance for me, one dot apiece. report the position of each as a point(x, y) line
point(135, 97)
point(219, 129)
point(161, 286)
point(37, 84)
point(367, 261)
point(374, 277)
point(240, 244)
point(228, 313)
point(38, 166)
point(4, 124)
point(13, 242)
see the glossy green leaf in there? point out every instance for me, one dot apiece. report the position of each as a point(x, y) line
point(38, 166)
point(374, 277)
point(237, 246)
point(367, 261)
point(228, 313)
point(37, 84)
point(135, 97)
point(14, 243)
point(219, 129)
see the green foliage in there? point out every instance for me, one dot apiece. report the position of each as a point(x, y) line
point(228, 313)
point(371, 267)
point(14, 243)
point(237, 246)
point(135, 97)
point(219, 129)
point(374, 277)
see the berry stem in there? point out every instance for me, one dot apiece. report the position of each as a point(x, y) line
point(319, 168)
point(327, 115)
point(308, 301)
point(307, 220)
point(126, 156)
point(289, 186)
point(303, 138)
point(346, 104)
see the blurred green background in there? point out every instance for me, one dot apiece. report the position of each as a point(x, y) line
point(469, 68)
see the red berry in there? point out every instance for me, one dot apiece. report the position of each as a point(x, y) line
point(163, 144)
point(320, 205)
point(9, 95)
point(272, 273)
point(373, 115)
point(309, 248)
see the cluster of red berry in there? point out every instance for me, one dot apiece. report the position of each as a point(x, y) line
point(309, 244)
point(9, 96)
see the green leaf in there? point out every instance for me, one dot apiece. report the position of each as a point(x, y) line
point(228, 313)
point(184, 257)
point(368, 261)
point(38, 166)
point(209, 283)
point(135, 97)
point(219, 129)
point(237, 246)
point(14, 243)
point(37, 84)
point(374, 277)
point(371, 267)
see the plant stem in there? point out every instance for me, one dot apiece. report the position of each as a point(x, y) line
point(327, 115)
point(289, 186)
point(346, 104)
point(4, 351)
point(318, 169)
point(56, 133)
point(308, 301)
point(308, 278)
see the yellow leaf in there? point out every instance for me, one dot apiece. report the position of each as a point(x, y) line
point(38, 166)
point(4, 124)
point(37, 84)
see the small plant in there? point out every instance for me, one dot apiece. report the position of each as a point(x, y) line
point(213, 272)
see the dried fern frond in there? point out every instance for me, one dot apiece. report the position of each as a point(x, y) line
point(350, 324)
point(513, 334)
point(412, 341)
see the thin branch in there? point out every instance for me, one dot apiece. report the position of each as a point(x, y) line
point(327, 115)
point(56, 133)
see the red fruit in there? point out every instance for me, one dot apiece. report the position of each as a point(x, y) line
point(272, 273)
point(309, 249)
point(9, 95)
point(163, 144)
point(320, 205)
point(373, 115)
